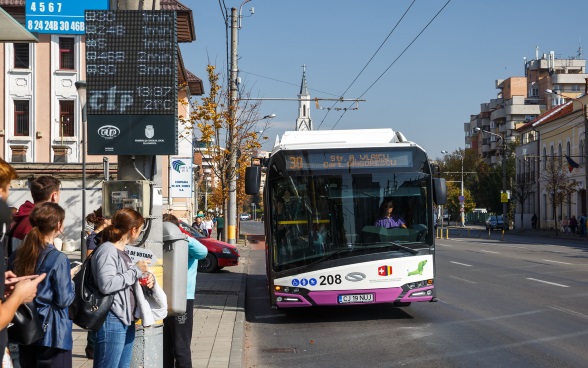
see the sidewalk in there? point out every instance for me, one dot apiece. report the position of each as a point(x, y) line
point(219, 318)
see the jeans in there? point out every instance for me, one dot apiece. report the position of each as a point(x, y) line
point(113, 346)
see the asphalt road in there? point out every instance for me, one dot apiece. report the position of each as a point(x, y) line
point(501, 304)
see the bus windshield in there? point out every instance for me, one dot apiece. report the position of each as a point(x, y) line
point(318, 215)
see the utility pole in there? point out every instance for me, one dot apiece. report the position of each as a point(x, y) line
point(231, 227)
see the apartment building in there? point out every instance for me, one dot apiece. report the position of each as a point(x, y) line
point(522, 99)
point(41, 131)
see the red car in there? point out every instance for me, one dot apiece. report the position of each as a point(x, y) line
point(220, 254)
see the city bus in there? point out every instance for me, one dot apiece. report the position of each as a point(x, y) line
point(327, 241)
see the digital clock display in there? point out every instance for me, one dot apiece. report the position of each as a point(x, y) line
point(131, 62)
point(324, 160)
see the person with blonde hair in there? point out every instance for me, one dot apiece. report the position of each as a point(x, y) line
point(35, 255)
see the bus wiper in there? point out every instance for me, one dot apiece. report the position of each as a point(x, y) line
point(400, 246)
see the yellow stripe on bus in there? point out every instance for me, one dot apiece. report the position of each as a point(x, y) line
point(295, 222)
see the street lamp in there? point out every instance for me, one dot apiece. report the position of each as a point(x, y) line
point(504, 211)
point(585, 111)
point(81, 88)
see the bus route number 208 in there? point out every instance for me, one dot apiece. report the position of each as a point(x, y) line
point(330, 279)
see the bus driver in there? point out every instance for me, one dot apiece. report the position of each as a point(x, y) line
point(386, 218)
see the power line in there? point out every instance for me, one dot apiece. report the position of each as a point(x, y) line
point(281, 81)
point(402, 53)
point(368, 63)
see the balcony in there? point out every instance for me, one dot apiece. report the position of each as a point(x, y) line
point(498, 114)
point(523, 110)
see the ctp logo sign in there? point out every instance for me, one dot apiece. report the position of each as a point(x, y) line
point(108, 131)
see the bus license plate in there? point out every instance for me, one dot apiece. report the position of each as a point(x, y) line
point(356, 298)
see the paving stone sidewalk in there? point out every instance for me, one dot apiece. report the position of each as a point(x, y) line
point(219, 318)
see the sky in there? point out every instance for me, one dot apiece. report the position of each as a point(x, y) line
point(424, 86)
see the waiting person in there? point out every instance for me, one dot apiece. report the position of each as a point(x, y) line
point(198, 224)
point(386, 217)
point(177, 330)
point(98, 223)
point(15, 290)
point(534, 221)
point(573, 224)
point(208, 225)
point(220, 227)
point(43, 189)
point(582, 223)
point(565, 223)
point(38, 255)
point(115, 273)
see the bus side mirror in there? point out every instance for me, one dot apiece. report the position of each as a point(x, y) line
point(252, 180)
point(439, 191)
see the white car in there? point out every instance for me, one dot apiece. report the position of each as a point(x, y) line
point(244, 217)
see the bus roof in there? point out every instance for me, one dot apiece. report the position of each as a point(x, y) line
point(316, 139)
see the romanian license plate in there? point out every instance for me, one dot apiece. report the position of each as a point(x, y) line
point(356, 298)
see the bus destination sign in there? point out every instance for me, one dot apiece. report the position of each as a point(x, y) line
point(131, 62)
point(347, 159)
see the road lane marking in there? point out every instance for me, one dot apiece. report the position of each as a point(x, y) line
point(549, 260)
point(547, 282)
point(464, 280)
point(489, 251)
point(569, 311)
point(461, 264)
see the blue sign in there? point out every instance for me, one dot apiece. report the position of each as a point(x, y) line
point(60, 17)
point(303, 282)
point(312, 282)
point(295, 282)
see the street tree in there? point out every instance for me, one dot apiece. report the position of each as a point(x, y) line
point(210, 122)
point(558, 184)
point(521, 191)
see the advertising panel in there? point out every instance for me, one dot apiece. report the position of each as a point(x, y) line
point(180, 178)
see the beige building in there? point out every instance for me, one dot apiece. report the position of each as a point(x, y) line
point(557, 133)
point(41, 128)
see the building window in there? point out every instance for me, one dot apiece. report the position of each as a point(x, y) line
point(66, 118)
point(568, 149)
point(21, 118)
point(582, 151)
point(21, 56)
point(559, 151)
point(66, 53)
point(544, 158)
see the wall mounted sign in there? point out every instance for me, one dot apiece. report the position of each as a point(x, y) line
point(60, 17)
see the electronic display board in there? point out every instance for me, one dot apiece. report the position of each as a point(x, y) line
point(61, 16)
point(131, 62)
point(321, 160)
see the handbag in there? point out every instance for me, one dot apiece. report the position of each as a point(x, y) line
point(90, 307)
point(27, 326)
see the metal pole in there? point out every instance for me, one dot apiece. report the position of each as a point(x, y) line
point(83, 245)
point(232, 205)
point(505, 223)
point(585, 111)
point(206, 195)
point(462, 202)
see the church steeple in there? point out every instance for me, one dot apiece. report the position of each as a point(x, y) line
point(303, 122)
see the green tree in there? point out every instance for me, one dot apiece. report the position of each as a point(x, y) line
point(558, 185)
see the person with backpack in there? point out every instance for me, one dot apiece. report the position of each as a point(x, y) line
point(37, 254)
point(115, 273)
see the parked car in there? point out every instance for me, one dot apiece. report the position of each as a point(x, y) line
point(245, 217)
point(220, 254)
point(495, 223)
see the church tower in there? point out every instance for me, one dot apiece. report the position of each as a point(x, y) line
point(303, 122)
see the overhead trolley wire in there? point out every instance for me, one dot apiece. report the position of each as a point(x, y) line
point(369, 61)
point(398, 57)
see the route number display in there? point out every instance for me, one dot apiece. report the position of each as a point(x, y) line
point(60, 17)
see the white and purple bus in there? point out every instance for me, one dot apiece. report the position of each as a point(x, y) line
point(331, 237)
